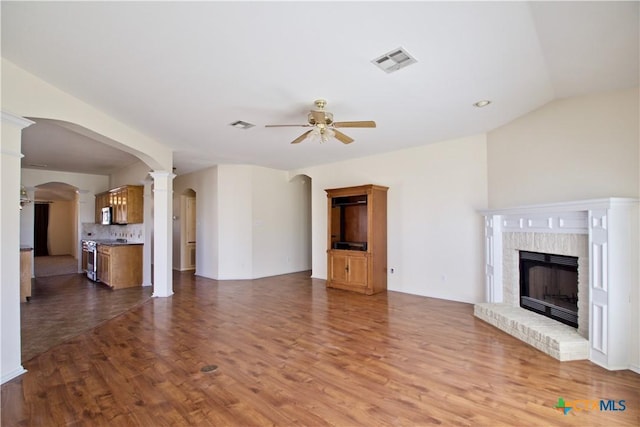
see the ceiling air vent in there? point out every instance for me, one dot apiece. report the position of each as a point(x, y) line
point(394, 60)
point(241, 124)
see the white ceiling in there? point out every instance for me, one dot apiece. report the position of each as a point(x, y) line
point(182, 72)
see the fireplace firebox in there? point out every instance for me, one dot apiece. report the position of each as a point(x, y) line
point(549, 286)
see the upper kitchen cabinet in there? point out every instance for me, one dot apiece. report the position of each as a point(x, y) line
point(126, 203)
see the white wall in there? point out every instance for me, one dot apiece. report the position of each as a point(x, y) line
point(61, 232)
point(435, 234)
point(235, 225)
point(250, 221)
point(26, 95)
point(134, 174)
point(205, 184)
point(571, 149)
point(281, 222)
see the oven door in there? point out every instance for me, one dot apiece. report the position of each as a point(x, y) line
point(92, 262)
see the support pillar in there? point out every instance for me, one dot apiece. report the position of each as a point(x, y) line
point(10, 155)
point(147, 253)
point(162, 231)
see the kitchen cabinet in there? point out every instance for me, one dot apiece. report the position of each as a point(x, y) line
point(25, 273)
point(357, 238)
point(102, 201)
point(126, 203)
point(120, 266)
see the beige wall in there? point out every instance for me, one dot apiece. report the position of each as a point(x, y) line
point(570, 149)
point(435, 233)
point(61, 232)
point(134, 174)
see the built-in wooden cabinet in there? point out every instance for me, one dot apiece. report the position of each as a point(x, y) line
point(126, 203)
point(120, 266)
point(357, 238)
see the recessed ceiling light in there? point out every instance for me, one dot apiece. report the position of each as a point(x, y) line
point(482, 103)
point(241, 124)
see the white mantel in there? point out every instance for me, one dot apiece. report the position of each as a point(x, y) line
point(611, 226)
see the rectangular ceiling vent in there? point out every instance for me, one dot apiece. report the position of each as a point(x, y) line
point(240, 124)
point(394, 60)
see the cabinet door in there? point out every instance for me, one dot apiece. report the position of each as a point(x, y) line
point(103, 268)
point(120, 207)
point(102, 200)
point(339, 267)
point(358, 271)
point(134, 202)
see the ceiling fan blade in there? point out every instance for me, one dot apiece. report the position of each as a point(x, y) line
point(342, 137)
point(287, 126)
point(358, 124)
point(301, 137)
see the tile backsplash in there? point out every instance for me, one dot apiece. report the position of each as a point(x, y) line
point(134, 233)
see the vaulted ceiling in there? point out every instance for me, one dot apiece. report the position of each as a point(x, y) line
point(182, 72)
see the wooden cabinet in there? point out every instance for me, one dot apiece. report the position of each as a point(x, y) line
point(103, 265)
point(126, 202)
point(120, 266)
point(357, 239)
point(102, 201)
point(25, 273)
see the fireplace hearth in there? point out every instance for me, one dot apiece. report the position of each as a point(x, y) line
point(604, 236)
point(549, 285)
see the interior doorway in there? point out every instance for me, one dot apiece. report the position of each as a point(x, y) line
point(55, 229)
point(188, 230)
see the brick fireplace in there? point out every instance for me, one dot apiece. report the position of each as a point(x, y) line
point(603, 235)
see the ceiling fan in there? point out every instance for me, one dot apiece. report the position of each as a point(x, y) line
point(323, 126)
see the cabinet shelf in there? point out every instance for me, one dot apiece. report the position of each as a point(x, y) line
point(350, 246)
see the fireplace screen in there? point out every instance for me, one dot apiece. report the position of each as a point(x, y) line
point(549, 285)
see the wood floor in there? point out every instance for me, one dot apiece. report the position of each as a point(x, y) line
point(290, 352)
point(64, 306)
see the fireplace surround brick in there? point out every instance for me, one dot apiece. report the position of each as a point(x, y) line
point(605, 236)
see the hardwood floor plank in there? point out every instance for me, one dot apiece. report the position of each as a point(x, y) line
point(291, 352)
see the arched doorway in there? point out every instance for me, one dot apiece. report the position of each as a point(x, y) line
point(55, 229)
point(303, 215)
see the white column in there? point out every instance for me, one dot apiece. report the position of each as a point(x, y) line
point(10, 142)
point(162, 228)
point(85, 209)
point(147, 252)
point(493, 258)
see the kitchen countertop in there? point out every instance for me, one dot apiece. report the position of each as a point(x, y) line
point(112, 242)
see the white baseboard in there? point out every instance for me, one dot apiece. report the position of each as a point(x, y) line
point(11, 375)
